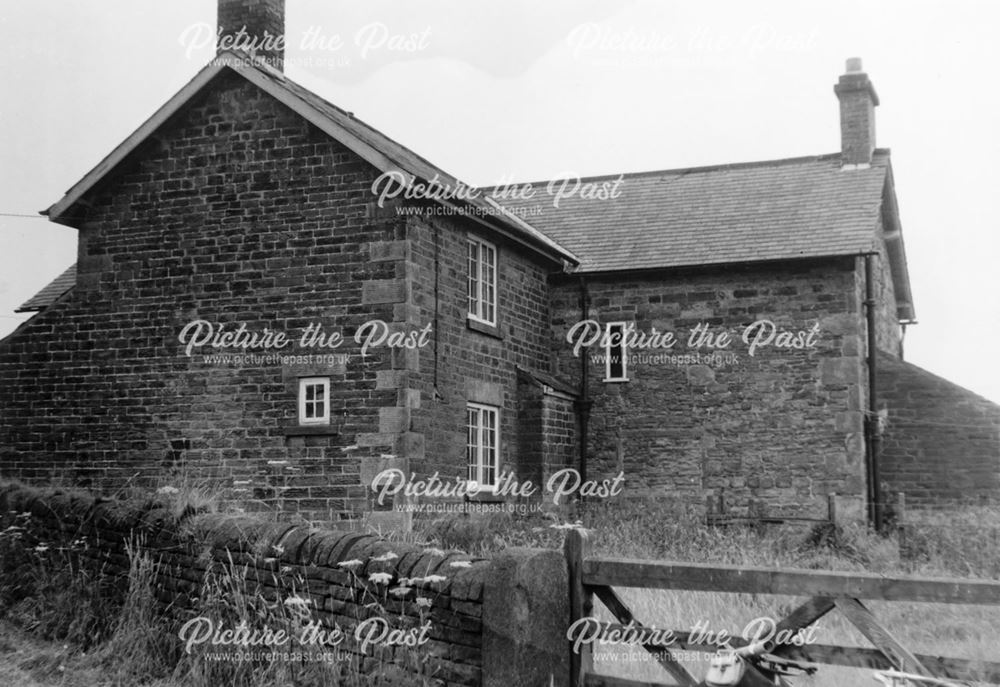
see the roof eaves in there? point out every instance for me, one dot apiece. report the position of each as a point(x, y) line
point(896, 250)
point(728, 262)
point(52, 292)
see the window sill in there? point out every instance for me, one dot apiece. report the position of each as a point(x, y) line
point(485, 496)
point(310, 430)
point(483, 328)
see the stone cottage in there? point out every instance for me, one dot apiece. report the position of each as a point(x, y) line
point(274, 296)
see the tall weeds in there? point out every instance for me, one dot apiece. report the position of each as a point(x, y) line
point(143, 646)
point(53, 589)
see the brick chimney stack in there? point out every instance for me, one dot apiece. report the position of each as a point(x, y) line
point(256, 27)
point(857, 115)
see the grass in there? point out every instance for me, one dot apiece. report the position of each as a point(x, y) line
point(962, 543)
point(141, 648)
point(50, 590)
point(118, 634)
point(115, 633)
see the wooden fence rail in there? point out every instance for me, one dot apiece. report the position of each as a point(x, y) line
point(591, 576)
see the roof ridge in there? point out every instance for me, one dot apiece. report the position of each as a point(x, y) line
point(679, 171)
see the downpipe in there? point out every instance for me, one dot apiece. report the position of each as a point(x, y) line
point(584, 403)
point(873, 434)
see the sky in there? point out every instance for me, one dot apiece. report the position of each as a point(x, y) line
point(530, 89)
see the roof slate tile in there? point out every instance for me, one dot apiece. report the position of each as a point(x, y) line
point(774, 210)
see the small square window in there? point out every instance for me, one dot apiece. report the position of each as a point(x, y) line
point(482, 281)
point(314, 401)
point(483, 445)
point(615, 352)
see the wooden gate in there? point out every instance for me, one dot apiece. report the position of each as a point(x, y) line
point(591, 576)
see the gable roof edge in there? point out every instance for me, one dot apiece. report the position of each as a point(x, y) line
point(56, 212)
point(274, 84)
point(892, 237)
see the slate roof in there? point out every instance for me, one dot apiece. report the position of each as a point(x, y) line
point(762, 211)
point(774, 210)
point(405, 159)
point(51, 293)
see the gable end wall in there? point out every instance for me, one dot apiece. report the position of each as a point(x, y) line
point(236, 211)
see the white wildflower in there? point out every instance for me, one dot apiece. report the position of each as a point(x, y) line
point(297, 601)
point(168, 490)
point(387, 556)
point(434, 551)
point(423, 602)
point(568, 526)
point(380, 578)
point(461, 564)
point(350, 565)
point(400, 592)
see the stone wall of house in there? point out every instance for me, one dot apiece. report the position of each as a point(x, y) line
point(889, 335)
point(888, 332)
point(941, 444)
point(237, 212)
point(560, 427)
point(548, 438)
point(469, 362)
point(784, 426)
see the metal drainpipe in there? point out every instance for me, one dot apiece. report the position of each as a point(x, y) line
point(876, 508)
point(584, 404)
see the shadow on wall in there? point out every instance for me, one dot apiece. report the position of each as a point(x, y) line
point(941, 444)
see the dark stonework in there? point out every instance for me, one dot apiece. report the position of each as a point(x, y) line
point(782, 425)
point(941, 444)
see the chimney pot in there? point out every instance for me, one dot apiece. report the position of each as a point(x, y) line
point(854, 64)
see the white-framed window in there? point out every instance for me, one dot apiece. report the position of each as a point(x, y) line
point(483, 444)
point(615, 352)
point(314, 400)
point(482, 281)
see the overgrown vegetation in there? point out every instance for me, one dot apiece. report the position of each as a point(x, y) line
point(119, 628)
point(50, 590)
point(963, 542)
point(959, 543)
point(228, 601)
point(142, 647)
